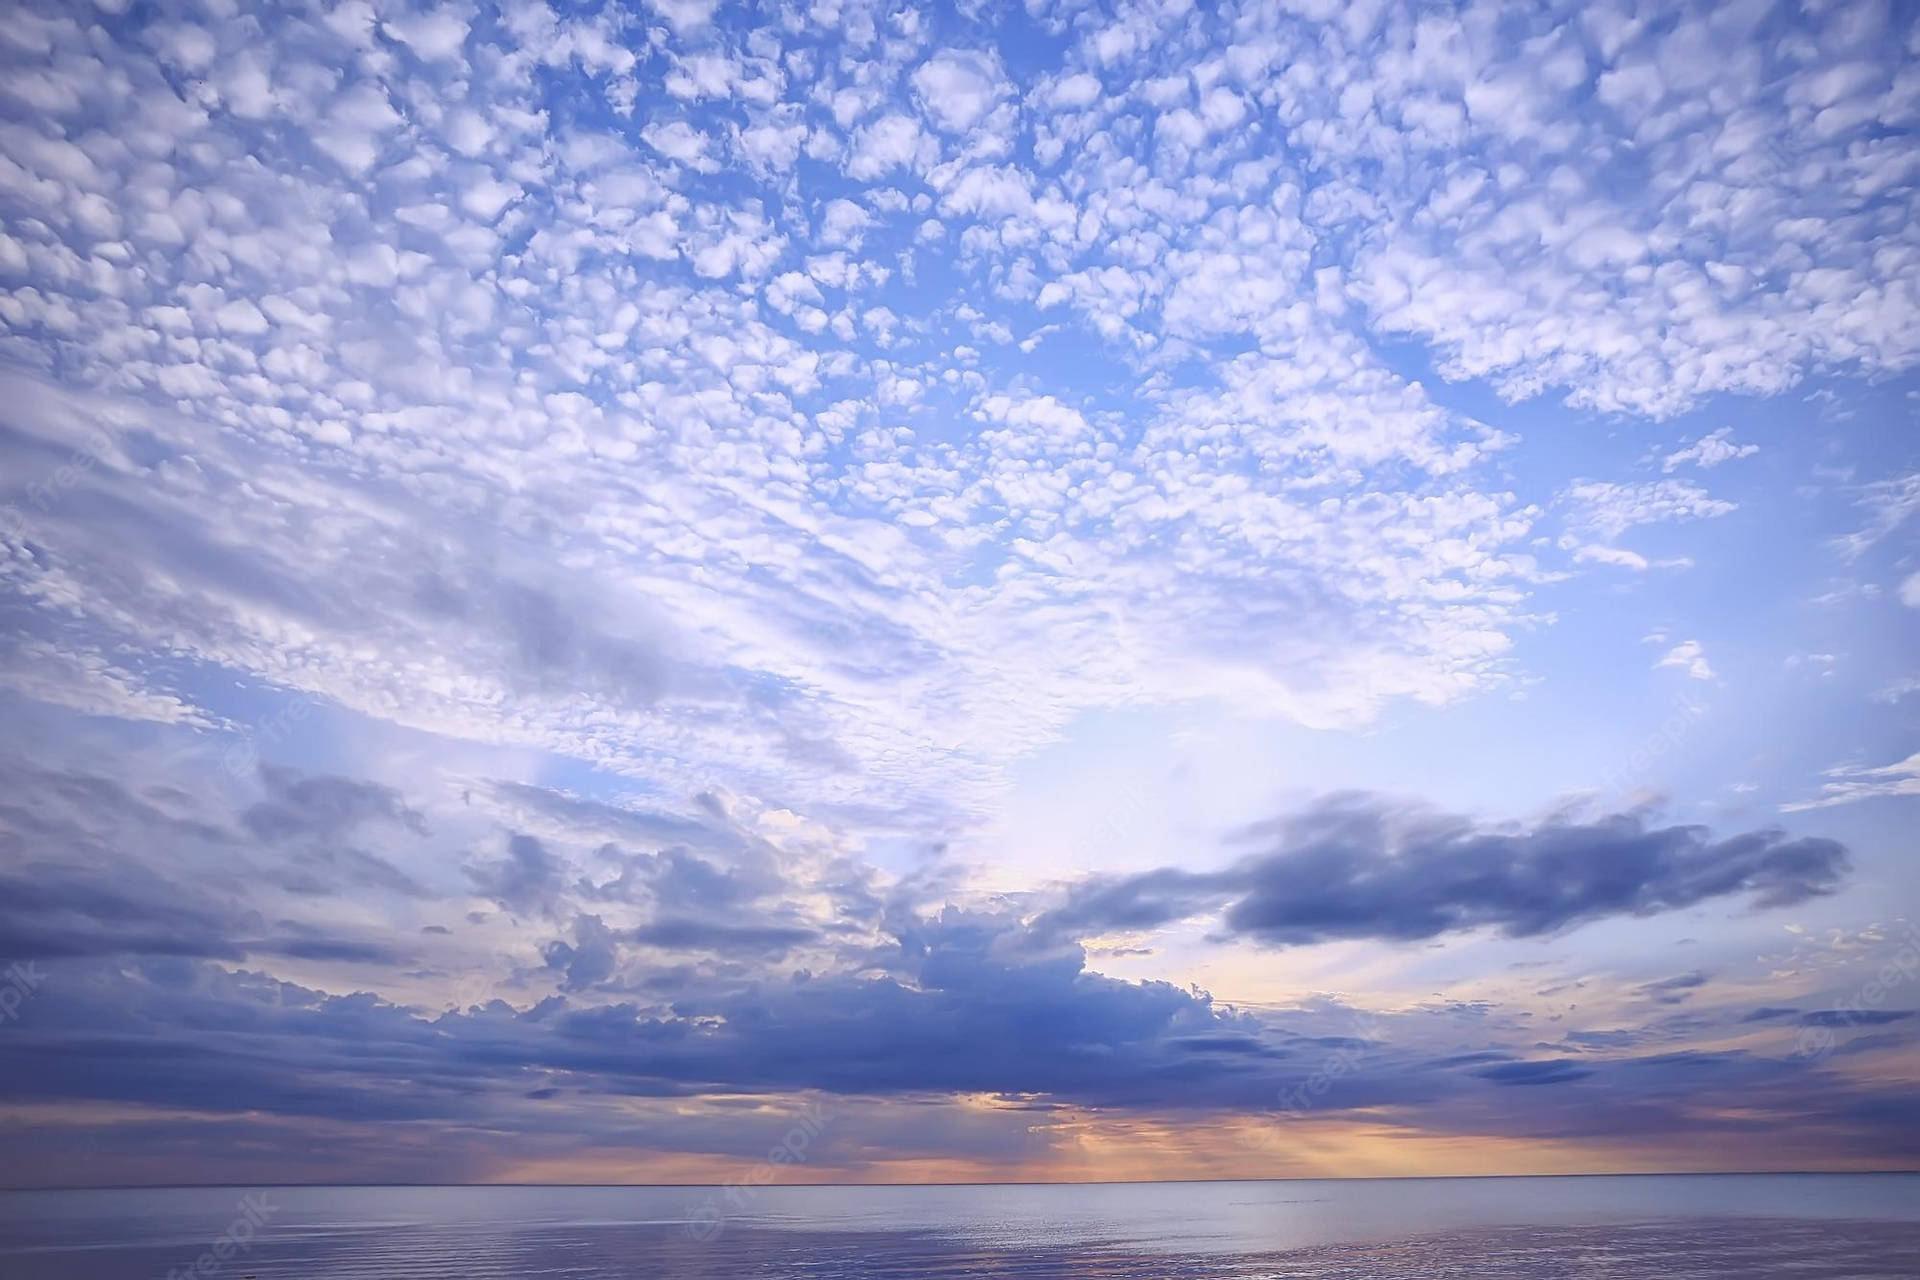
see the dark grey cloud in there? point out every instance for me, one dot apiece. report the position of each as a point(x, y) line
point(1769, 1013)
point(299, 941)
point(1674, 990)
point(552, 635)
point(1545, 1071)
point(528, 879)
point(68, 886)
point(976, 1006)
point(319, 805)
point(970, 1005)
point(314, 819)
point(682, 933)
point(1224, 1043)
point(707, 831)
point(1854, 1017)
point(675, 879)
point(701, 863)
point(1477, 1058)
point(1360, 867)
point(681, 881)
point(726, 986)
point(966, 1002)
point(589, 959)
point(94, 867)
point(1873, 1043)
point(49, 911)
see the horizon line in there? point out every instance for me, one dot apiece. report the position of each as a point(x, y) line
point(1029, 1182)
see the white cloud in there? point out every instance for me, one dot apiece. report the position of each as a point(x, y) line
point(74, 676)
point(354, 130)
point(677, 140)
point(1848, 784)
point(241, 317)
point(1609, 509)
point(1688, 656)
point(956, 88)
point(1709, 451)
point(1618, 557)
point(437, 35)
point(1889, 504)
point(685, 15)
point(891, 142)
point(486, 197)
point(1072, 92)
point(893, 447)
point(1905, 687)
point(1599, 512)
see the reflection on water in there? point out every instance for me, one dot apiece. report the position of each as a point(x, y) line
point(1798, 1226)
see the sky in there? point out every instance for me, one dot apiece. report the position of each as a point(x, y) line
point(1064, 592)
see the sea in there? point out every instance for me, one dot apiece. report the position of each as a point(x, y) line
point(1804, 1226)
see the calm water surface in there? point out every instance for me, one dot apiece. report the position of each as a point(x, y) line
point(1802, 1226)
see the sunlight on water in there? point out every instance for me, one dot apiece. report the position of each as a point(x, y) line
point(1686, 1226)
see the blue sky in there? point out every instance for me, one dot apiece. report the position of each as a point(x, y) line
point(579, 580)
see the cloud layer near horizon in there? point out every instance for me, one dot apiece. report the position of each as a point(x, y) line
point(688, 957)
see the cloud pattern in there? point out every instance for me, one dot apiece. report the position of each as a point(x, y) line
point(527, 532)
